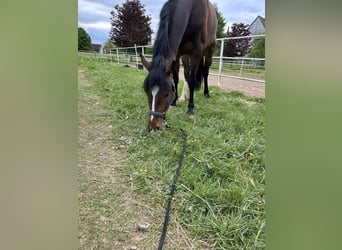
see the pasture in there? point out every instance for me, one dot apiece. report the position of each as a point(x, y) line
point(220, 196)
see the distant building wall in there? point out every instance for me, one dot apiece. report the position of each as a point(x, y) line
point(257, 26)
point(97, 48)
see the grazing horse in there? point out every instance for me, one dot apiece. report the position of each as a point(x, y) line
point(187, 28)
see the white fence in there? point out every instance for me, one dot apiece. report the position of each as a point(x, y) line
point(251, 69)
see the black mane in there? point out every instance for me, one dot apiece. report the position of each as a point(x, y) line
point(161, 44)
point(161, 47)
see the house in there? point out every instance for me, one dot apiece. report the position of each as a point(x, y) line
point(97, 48)
point(257, 27)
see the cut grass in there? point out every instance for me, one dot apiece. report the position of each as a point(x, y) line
point(220, 196)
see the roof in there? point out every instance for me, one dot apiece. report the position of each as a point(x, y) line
point(262, 19)
point(96, 47)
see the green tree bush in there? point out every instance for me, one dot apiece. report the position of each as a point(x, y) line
point(130, 24)
point(258, 49)
point(84, 40)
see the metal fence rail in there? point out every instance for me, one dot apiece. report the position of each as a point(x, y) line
point(251, 69)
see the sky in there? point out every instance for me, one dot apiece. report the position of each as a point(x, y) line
point(94, 16)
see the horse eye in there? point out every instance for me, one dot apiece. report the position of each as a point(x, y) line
point(166, 95)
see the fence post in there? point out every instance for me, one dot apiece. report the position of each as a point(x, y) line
point(136, 55)
point(117, 55)
point(221, 61)
point(241, 67)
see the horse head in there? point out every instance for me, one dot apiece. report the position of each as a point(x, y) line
point(159, 88)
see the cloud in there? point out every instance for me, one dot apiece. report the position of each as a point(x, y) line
point(93, 11)
point(96, 25)
point(240, 11)
point(94, 16)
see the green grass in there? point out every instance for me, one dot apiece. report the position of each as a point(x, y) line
point(220, 195)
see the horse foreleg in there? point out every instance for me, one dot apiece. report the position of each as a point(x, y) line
point(206, 89)
point(195, 60)
point(184, 91)
point(208, 59)
point(191, 104)
point(192, 83)
point(186, 65)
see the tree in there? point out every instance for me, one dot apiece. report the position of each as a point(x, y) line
point(130, 25)
point(84, 40)
point(237, 47)
point(258, 49)
point(108, 45)
point(221, 22)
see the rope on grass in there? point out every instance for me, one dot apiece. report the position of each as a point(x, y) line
point(173, 187)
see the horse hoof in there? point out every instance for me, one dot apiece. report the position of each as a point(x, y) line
point(190, 112)
point(207, 96)
point(182, 99)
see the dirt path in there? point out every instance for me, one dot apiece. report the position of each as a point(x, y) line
point(109, 210)
point(96, 156)
point(248, 88)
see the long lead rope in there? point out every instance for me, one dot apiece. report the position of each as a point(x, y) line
point(173, 187)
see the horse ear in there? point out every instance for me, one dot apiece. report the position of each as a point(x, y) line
point(144, 62)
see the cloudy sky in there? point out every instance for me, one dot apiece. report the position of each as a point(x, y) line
point(94, 16)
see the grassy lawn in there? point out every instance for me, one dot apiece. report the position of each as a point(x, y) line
point(220, 195)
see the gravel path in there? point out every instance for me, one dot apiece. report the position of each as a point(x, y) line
point(248, 88)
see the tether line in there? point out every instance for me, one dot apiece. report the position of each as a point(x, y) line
point(173, 187)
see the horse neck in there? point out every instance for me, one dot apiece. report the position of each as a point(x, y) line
point(171, 30)
point(179, 23)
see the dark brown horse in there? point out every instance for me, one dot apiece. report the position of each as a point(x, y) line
point(187, 28)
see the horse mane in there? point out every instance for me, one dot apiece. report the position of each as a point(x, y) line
point(161, 44)
point(161, 47)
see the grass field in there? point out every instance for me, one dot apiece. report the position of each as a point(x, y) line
point(220, 195)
